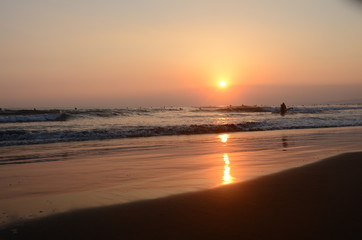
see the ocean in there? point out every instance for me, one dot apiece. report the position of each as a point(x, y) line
point(24, 127)
point(58, 160)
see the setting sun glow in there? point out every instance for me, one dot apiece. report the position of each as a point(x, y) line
point(222, 84)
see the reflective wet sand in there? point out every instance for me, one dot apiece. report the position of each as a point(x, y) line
point(39, 180)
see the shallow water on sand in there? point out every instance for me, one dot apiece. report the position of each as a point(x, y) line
point(37, 180)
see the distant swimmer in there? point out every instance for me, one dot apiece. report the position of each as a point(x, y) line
point(283, 109)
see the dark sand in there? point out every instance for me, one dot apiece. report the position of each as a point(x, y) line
point(322, 200)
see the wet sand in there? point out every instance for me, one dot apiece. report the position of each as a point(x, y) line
point(47, 179)
point(321, 200)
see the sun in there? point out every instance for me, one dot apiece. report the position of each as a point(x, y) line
point(222, 84)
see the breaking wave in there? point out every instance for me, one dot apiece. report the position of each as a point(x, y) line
point(19, 137)
point(14, 116)
point(34, 118)
point(23, 137)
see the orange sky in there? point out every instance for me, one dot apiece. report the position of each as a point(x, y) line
point(140, 53)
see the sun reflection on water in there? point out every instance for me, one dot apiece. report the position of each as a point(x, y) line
point(224, 138)
point(227, 178)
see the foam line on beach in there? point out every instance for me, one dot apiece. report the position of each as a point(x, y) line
point(317, 201)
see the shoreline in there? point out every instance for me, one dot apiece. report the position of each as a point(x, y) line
point(318, 200)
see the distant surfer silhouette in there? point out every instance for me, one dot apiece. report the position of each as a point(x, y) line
point(283, 109)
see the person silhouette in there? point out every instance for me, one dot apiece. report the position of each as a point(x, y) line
point(283, 109)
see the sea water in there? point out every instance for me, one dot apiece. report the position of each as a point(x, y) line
point(25, 127)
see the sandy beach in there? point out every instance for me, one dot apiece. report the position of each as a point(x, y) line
point(317, 201)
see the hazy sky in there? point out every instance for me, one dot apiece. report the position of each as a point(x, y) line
point(88, 53)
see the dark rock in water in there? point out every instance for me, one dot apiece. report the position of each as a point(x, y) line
point(8, 116)
point(28, 112)
point(243, 108)
point(62, 117)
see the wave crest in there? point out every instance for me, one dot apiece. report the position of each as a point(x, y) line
point(18, 137)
